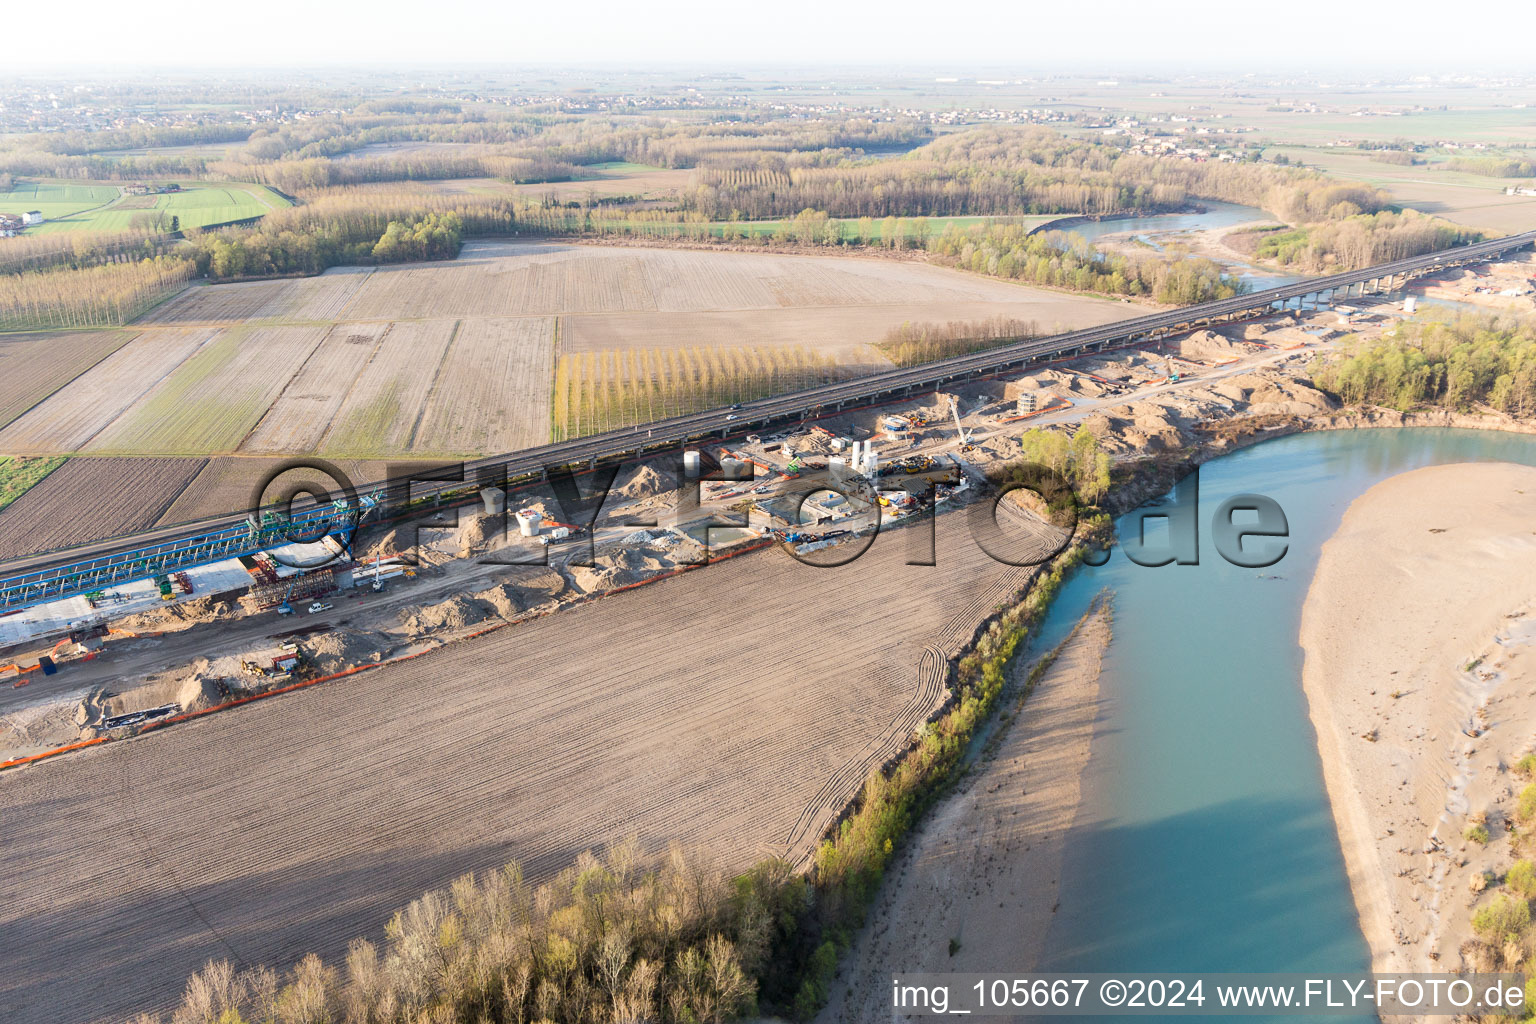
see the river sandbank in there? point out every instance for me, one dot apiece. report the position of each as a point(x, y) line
point(1421, 684)
point(979, 884)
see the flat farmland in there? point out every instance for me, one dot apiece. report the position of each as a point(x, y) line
point(303, 412)
point(34, 366)
point(90, 499)
point(295, 824)
point(389, 397)
point(196, 205)
point(55, 199)
point(844, 333)
point(308, 299)
point(492, 390)
point(457, 358)
point(213, 400)
point(228, 483)
point(548, 279)
point(69, 418)
point(605, 181)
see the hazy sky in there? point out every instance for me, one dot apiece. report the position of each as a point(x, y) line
point(1020, 34)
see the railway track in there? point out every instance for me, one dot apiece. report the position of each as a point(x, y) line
point(62, 573)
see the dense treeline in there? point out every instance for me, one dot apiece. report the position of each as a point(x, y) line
point(911, 344)
point(611, 938)
point(1000, 171)
point(96, 167)
point(316, 172)
point(430, 238)
point(1362, 241)
point(144, 137)
point(349, 227)
point(1470, 361)
point(1494, 166)
point(517, 136)
point(100, 296)
point(1056, 260)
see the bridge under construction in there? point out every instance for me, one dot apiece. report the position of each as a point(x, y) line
point(89, 568)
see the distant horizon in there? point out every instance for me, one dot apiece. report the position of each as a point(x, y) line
point(970, 35)
point(936, 74)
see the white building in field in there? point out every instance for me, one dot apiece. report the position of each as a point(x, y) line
point(32, 217)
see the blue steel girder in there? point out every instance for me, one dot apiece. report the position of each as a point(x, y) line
point(103, 571)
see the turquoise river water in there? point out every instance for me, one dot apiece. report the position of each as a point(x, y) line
point(1205, 840)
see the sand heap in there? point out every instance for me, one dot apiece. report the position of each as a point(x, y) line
point(1138, 428)
point(643, 481)
point(332, 652)
point(503, 599)
point(180, 613)
point(458, 612)
point(1209, 345)
point(626, 566)
point(475, 530)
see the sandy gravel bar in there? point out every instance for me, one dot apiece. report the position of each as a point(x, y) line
point(1422, 686)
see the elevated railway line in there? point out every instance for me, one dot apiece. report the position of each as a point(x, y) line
point(63, 573)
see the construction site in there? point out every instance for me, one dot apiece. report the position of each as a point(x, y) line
point(472, 616)
point(810, 487)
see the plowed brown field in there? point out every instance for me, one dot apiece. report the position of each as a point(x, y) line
point(91, 499)
point(34, 366)
point(729, 709)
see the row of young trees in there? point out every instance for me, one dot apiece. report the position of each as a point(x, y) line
point(1470, 361)
point(597, 391)
point(100, 296)
point(76, 249)
point(911, 344)
point(614, 938)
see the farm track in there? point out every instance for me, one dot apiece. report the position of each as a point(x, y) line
point(711, 708)
point(932, 674)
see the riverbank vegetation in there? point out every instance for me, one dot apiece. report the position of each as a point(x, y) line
point(1361, 240)
point(614, 937)
point(1462, 363)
